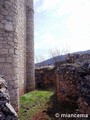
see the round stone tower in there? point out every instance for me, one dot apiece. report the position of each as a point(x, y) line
point(30, 75)
point(8, 47)
point(17, 47)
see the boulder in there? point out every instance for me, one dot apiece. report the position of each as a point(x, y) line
point(7, 112)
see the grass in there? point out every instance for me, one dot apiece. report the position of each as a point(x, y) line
point(32, 103)
point(43, 104)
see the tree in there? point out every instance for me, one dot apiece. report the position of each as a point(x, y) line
point(56, 54)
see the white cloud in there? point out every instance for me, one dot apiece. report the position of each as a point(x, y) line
point(79, 21)
point(50, 41)
point(48, 5)
point(77, 25)
point(59, 7)
point(68, 6)
point(36, 1)
point(45, 42)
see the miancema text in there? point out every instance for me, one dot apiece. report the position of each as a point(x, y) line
point(74, 115)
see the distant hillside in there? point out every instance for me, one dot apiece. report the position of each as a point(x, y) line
point(51, 61)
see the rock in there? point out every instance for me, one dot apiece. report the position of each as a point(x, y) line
point(45, 77)
point(9, 26)
point(73, 85)
point(71, 79)
point(66, 83)
point(7, 112)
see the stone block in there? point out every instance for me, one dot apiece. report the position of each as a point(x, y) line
point(8, 26)
point(9, 59)
point(1, 17)
point(1, 26)
point(1, 65)
point(11, 43)
point(8, 3)
point(2, 60)
point(0, 45)
point(11, 51)
point(3, 51)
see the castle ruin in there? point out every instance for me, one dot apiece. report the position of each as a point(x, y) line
point(17, 47)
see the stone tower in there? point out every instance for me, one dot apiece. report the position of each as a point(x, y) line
point(30, 46)
point(17, 46)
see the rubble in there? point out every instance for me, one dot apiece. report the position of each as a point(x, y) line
point(73, 85)
point(71, 79)
point(66, 83)
point(45, 77)
point(7, 112)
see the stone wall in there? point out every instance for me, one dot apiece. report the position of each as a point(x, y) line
point(21, 46)
point(45, 78)
point(13, 28)
point(67, 83)
point(30, 46)
point(73, 85)
point(9, 46)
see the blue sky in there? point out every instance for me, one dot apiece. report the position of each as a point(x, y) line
point(61, 24)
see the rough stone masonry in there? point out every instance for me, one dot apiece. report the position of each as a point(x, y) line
point(73, 85)
point(17, 46)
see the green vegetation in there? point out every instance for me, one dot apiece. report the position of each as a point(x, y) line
point(43, 105)
point(33, 102)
